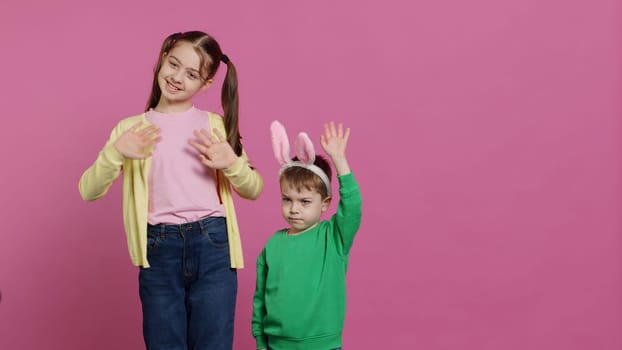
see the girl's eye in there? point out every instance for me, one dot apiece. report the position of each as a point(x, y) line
point(172, 64)
point(193, 76)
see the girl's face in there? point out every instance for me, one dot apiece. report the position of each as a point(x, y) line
point(180, 76)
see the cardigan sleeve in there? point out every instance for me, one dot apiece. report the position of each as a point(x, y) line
point(97, 179)
point(244, 179)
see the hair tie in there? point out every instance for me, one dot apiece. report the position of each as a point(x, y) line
point(224, 59)
point(304, 150)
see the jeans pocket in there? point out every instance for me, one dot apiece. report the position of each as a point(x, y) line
point(153, 241)
point(217, 236)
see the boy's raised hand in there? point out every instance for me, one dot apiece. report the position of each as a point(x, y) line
point(334, 141)
point(133, 142)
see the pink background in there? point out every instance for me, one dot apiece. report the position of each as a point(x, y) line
point(486, 138)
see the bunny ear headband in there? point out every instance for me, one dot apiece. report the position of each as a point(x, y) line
point(304, 151)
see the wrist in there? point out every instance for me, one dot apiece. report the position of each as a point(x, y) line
point(335, 158)
point(112, 152)
point(235, 167)
point(231, 161)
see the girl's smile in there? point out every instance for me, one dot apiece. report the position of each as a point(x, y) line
point(172, 87)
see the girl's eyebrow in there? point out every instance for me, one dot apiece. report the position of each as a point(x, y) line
point(179, 62)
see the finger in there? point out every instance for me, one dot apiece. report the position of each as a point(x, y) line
point(150, 142)
point(150, 131)
point(199, 147)
point(146, 134)
point(147, 130)
point(333, 132)
point(347, 135)
point(203, 135)
point(135, 126)
point(206, 161)
point(150, 135)
point(209, 136)
point(218, 135)
point(327, 130)
point(340, 130)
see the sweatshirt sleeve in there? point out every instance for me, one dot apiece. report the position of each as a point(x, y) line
point(245, 180)
point(347, 220)
point(259, 307)
point(97, 179)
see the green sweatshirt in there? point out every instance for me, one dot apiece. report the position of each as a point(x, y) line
point(300, 296)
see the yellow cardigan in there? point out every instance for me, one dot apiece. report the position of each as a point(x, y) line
point(98, 178)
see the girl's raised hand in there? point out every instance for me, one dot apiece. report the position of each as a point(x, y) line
point(214, 150)
point(133, 143)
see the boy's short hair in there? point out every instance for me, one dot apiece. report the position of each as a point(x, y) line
point(300, 177)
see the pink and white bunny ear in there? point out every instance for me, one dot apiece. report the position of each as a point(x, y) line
point(280, 144)
point(304, 149)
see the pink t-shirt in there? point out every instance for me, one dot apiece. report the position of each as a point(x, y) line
point(181, 188)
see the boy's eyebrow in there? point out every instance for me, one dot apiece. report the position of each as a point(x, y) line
point(302, 198)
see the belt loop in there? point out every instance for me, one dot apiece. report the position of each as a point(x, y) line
point(202, 224)
point(161, 232)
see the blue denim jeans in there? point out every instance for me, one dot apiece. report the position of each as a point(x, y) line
point(339, 348)
point(188, 294)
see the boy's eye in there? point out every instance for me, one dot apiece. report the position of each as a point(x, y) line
point(193, 76)
point(286, 200)
point(306, 202)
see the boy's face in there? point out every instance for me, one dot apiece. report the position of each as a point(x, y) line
point(301, 209)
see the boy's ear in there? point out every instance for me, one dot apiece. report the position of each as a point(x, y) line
point(326, 203)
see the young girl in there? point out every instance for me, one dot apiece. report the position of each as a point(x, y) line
point(178, 209)
point(300, 294)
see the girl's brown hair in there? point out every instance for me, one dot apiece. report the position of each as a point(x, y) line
point(211, 55)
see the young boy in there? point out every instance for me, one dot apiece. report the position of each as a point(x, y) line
point(300, 296)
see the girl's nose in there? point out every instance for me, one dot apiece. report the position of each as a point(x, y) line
point(178, 76)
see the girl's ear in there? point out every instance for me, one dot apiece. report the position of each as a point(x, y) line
point(280, 144)
point(206, 84)
point(304, 149)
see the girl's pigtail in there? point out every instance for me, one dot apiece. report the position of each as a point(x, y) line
point(230, 105)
